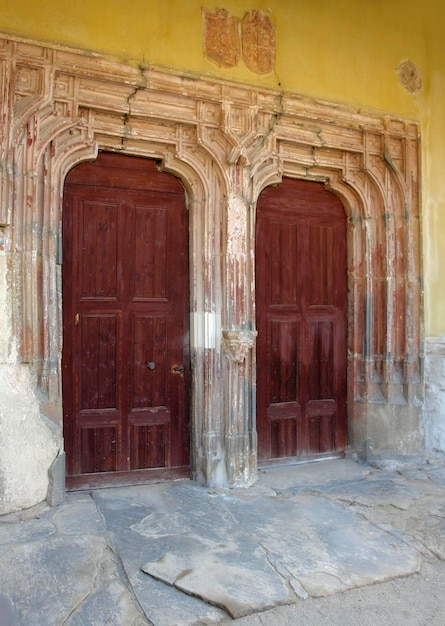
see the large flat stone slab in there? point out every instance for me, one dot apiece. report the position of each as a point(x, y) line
point(325, 546)
point(134, 515)
point(182, 535)
point(233, 574)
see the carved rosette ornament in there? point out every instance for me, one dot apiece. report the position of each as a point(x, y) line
point(237, 343)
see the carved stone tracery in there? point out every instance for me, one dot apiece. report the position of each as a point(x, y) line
point(226, 143)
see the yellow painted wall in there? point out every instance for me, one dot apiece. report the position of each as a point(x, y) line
point(341, 50)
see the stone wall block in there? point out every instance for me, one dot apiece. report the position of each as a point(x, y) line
point(434, 411)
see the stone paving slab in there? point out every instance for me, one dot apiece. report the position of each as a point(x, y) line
point(176, 554)
point(136, 529)
point(306, 475)
point(394, 491)
point(167, 606)
point(409, 503)
point(436, 474)
point(193, 544)
point(328, 548)
point(59, 569)
point(244, 550)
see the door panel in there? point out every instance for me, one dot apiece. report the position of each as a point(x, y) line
point(98, 374)
point(125, 285)
point(98, 233)
point(149, 339)
point(301, 322)
point(150, 280)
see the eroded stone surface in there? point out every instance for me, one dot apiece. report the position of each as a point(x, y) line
point(325, 546)
point(233, 575)
point(221, 38)
point(166, 606)
point(188, 540)
point(388, 491)
point(59, 569)
point(258, 42)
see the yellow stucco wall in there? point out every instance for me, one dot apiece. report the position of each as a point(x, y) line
point(343, 50)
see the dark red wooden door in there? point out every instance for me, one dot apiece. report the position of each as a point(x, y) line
point(126, 308)
point(301, 322)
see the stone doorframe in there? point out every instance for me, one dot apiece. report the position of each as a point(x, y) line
point(226, 143)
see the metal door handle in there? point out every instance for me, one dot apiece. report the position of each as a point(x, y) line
point(150, 365)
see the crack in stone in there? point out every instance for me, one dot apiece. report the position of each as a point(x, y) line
point(294, 586)
point(93, 588)
point(116, 558)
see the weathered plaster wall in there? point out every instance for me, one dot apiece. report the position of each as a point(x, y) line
point(347, 51)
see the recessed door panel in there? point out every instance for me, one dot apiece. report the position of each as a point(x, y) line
point(98, 248)
point(150, 250)
point(97, 349)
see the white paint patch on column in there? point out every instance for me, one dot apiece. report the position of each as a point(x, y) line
point(205, 330)
point(236, 226)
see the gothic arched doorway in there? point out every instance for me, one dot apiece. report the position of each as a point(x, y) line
point(301, 309)
point(126, 368)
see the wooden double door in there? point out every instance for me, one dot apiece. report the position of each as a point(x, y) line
point(301, 302)
point(126, 323)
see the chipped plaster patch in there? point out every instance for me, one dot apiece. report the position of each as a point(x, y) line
point(410, 77)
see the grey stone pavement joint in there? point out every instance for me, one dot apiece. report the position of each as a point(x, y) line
point(179, 554)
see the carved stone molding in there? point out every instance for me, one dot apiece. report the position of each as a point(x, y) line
point(226, 142)
point(237, 343)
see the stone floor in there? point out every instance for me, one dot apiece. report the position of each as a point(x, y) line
point(176, 553)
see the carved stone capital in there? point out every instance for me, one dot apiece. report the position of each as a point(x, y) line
point(237, 343)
